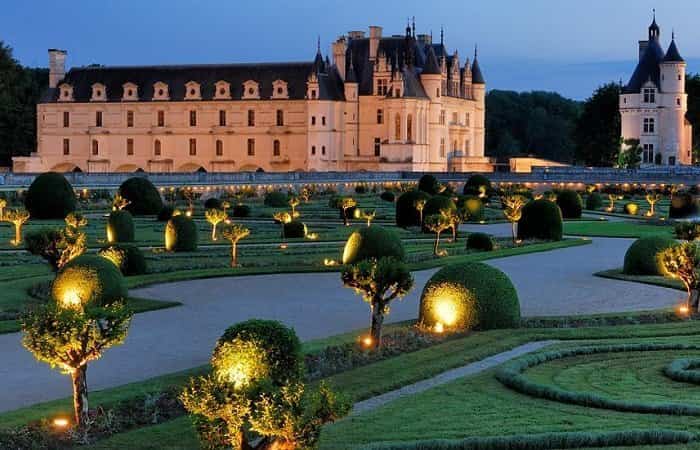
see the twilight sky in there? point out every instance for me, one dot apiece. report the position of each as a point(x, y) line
point(555, 45)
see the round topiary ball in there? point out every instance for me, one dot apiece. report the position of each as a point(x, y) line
point(240, 211)
point(480, 241)
point(437, 204)
point(276, 199)
point(683, 206)
point(50, 196)
point(470, 295)
point(165, 213)
point(429, 184)
point(631, 208)
point(640, 258)
point(373, 242)
point(89, 280)
point(594, 201)
point(294, 229)
point(471, 207)
point(181, 234)
point(144, 198)
point(388, 196)
point(128, 258)
point(474, 182)
point(570, 204)
point(120, 227)
point(541, 219)
point(406, 213)
point(360, 189)
point(212, 203)
point(258, 350)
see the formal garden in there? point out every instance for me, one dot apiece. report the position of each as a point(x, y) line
point(468, 369)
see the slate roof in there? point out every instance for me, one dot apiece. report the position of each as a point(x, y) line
point(477, 76)
point(672, 54)
point(648, 68)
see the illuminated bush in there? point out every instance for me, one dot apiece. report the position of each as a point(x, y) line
point(373, 242)
point(570, 204)
point(474, 183)
point(429, 184)
point(406, 213)
point(541, 219)
point(120, 227)
point(294, 229)
point(641, 257)
point(129, 258)
point(50, 196)
point(480, 241)
point(89, 279)
point(240, 211)
point(144, 198)
point(276, 199)
point(631, 208)
point(683, 205)
point(181, 234)
point(165, 213)
point(594, 201)
point(471, 207)
point(469, 296)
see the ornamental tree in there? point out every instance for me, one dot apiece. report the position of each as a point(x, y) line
point(17, 217)
point(234, 233)
point(3, 205)
point(119, 202)
point(379, 282)
point(437, 223)
point(369, 217)
point(293, 203)
point(225, 205)
point(419, 204)
point(282, 217)
point(73, 240)
point(513, 211)
point(453, 220)
point(652, 198)
point(215, 217)
point(681, 262)
point(347, 203)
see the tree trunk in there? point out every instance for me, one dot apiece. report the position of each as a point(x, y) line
point(345, 217)
point(694, 301)
point(80, 395)
point(18, 234)
point(376, 324)
point(437, 243)
point(515, 238)
point(234, 255)
point(454, 233)
point(213, 232)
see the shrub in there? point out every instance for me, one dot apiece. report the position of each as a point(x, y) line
point(437, 204)
point(541, 219)
point(471, 207)
point(683, 205)
point(45, 242)
point(594, 201)
point(373, 242)
point(50, 196)
point(469, 295)
point(294, 229)
point(480, 241)
point(165, 213)
point(276, 199)
point(471, 187)
point(388, 196)
point(429, 184)
point(212, 203)
point(686, 231)
point(240, 211)
point(570, 204)
point(406, 213)
point(129, 258)
point(89, 279)
point(144, 198)
point(640, 258)
point(631, 208)
point(120, 227)
point(181, 234)
point(360, 189)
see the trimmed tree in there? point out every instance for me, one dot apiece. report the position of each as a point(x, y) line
point(50, 196)
point(346, 203)
point(437, 223)
point(17, 217)
point(681, 262)
point(144, 199)
point(234, 233)
point(215, 217)
point(513, 211)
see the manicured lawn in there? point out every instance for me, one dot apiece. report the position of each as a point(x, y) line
point(615, 229)
point(655, 280)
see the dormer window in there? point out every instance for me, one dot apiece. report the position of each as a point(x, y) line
point(222, 91)
point(99, 93)
point(160, 91)
point(649, 95)
point(192, 91)
point(279, 89)
point(382, 86)
point(65, 93)
point(251, 90)
point(131, 92)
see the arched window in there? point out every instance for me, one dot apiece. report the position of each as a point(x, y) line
point(397, 127)
point(156, 147)
point(409, 127)
point(219, 147)
point(95, 147)
point(276, 148)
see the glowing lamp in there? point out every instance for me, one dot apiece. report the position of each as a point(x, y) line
point(439, 328)
point(445, 312)
point(61, 422)
point(189, 213)
point(71, 299)
point(683, 310)
point(283, 246)
point(366, 341)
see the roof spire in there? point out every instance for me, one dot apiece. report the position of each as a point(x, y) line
point(654, 30)
point(442, 35)
point(318, 44)
point(414, 26)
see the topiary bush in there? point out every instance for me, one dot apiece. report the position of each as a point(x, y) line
point(570, 204)
point(120, 227)
point(640, 258)
point(276, 199)
point(594, 201)
point(471, 295)
point(165, 213)
point(683, 206)
point(429, 184)
point(294, 229)
point(471, 207)
point(50, 196)
point(471, 187)
point(144, 198)
point(89, 279)
point(212, 203)
point(373, 242)
point(388, 196)
point(541, 219)
point(240, 211)
point(406, 213)
point(181, 234)
point(437, 204)
point(631, 208)
point(360, 189)
point(480, 241)
point(128, 258)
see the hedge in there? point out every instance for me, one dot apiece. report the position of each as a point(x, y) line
point(640, 258)
point(181, 234)
point(388, 196)
point(684, 370)
point(406, 213)
point(373, 242)
point(144, 198)
point(471, 187)
point(683, 205)
point(240, 211)
point(570, 204)
point(165, 213)
point(50, 196)
point(594, 201)
point(131, 259)
point(541, 219)
point(438, 203)
point(120, 227)
point(294, 229)
point(429, 184)
point(480, 241)
point(212, 203)
point(276, 199)
point(96, 280)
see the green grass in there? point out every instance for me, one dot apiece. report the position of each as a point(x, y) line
point(615, 229)
point(654, 280)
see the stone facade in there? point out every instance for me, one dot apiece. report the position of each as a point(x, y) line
point(654, 103)
point(383, 104)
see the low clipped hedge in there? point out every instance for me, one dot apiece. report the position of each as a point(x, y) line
point(471, 207)
point(406, 213)
point(683, 206)
point(471, 187)
point(144, 198)
point(479, 296)
point(97, 281)
point(276, 199)
point(684, 370)
point(570, 204)
point(212, 203)
point(294, 229)
point(429, 184)
point(373, 242)
point(131, 259)
point(181, 234)
point(541, 219)
point(512, 375)
point(640, 258)
point(481, 241)
point(240, 211)
point(387, 196)
point(165, 213)
point(50, 196)
point(120, 227)
point(594, 201)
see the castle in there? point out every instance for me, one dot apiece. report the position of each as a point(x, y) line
point(384, 103)
point(654, 103)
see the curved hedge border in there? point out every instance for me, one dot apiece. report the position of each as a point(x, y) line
point(547, 441)
point(684, 370)
point(512, 376)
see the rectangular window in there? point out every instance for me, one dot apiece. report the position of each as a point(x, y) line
point(219, 147)
point(66, 119)
point(129, 146)
point(323, 120)
point(98, 118)
point(66, 146)
point(467, 120)
point(156, 148)
point(251, 147)
point(313, 149)
point(251, 118)
point(95, 147)
point(442, 147)
point(380, 116)
point(222, 118)
point(649, 95)
point(280, 118)
point(130, 119)
point(323, 149)
point(377, 146)
point(276, 148)
point(648, 154)
point(193, 147)
point(455, 119)
point(193, 118)
point(648, 125)
point(442, 117)
point(313, 120)
point(161, 118)
point(382, 87)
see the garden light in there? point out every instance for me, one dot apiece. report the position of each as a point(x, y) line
point(366, 341)
point(683, 310)
point(445, 312)
point(61, 422)
point(439, 328)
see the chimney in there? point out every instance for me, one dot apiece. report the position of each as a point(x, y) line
point(356, 34)
point(375, 34)
point(339, 48)
point(57, 66)
point(643, 45)
point(424, 39)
